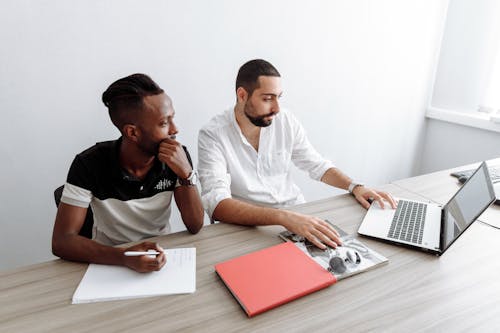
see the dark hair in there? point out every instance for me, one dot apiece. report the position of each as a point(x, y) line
point(124, 97)
point(249, 73)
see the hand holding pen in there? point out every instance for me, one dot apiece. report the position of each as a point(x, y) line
point(145, 257)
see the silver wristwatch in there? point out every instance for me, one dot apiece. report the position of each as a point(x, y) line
point(191, 180)
point(353, 185)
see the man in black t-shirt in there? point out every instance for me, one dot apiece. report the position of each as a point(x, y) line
point(129, 182)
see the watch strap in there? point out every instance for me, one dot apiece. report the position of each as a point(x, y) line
point(190, 180)
point(353, 185)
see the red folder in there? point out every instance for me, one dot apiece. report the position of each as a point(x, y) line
point(273, 276)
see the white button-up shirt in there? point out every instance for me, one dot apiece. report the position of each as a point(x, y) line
point(230, 167)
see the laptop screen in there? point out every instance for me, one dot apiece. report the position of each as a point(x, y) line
point(467, 204)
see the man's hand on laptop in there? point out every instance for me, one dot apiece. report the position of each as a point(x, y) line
point(363, 194)
point(317, 231)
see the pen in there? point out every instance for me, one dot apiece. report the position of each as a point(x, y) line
point(140, 253)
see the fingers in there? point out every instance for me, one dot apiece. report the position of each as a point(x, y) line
point(172, 153)
point(315, 241)
point(147, 263)
point(170, 146)
point(155, 264)
point(317, 231)
point(382, 197)
point(171, 140)
point(161, 258)
point(378, 196)
point(379, 200)
point(389, 199)
point(363, 202)
point(363, 194)
point(168, 150)
point(329, 231)
point(324, 237)
point(170, 143)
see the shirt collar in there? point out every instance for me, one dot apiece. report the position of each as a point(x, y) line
point(232, 119)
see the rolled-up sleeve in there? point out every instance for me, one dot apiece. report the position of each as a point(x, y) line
point(76, 196)
point(304, 156)
point(212, 169)
point(78, 188)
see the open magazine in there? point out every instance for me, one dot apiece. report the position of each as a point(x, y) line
point(351, 258)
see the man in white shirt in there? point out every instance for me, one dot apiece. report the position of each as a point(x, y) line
point(245, 155)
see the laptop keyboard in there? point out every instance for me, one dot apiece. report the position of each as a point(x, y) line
point(408, 222)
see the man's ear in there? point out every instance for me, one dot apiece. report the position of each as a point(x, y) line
point(131, 132)
point(241, 94)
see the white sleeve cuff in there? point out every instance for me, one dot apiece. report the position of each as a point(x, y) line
point(318, 171)
point(215, 188)
point(211, 200)
point(76, 196)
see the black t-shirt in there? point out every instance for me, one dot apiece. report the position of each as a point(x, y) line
point(125, 208)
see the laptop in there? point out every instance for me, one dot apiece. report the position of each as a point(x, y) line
point(428, 226)
point(463, 175)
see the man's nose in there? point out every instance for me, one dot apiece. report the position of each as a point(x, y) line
point(276, 107)
point(172, 130)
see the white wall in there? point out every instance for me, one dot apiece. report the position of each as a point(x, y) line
point(357, 73)
point(470, 44)
point(448, 145)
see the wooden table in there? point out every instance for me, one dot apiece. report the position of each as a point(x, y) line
point(413, 292)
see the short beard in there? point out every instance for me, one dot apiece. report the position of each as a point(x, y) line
point(257, 121)
point(149, 148)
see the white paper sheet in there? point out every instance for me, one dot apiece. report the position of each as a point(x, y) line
point(108, 283)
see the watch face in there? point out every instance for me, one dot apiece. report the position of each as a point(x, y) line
point(191, 180)
point(194, 178)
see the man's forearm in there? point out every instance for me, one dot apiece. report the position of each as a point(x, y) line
point(239, 212)
point(336, 178)
point(314, 229)
point(78, 248)
point(188, 201)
